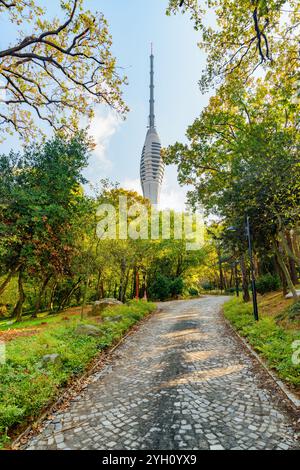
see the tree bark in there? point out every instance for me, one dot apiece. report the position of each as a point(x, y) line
point(40, 296)
point(17, 312)
point(51, 302)
point(220, 271)
point(282, 277)
point(245, 282)
point(64, 301)
point(292, 264)
point(98, 287)
point(86, 285)
point(7, 280)
point(285, 271)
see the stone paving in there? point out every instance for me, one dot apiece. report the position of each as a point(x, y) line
point(182, 381)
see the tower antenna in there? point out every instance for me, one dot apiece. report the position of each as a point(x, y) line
point(151, 116)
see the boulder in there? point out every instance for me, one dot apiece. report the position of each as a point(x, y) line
point(51, 359)
point(88, 330)
point(116, 318)
point(290, 295)
point(101, 305)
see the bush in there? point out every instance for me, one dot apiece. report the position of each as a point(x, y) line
point(270, 340)
point(194, 292)
point(267, 283)
point(208, 286)
point(27, 386)
point(163, 287)
point(159, 289)
point(230, 290)
point(176, 286)
point(293, 311)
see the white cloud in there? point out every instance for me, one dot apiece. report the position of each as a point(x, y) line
point(172, 195)
point(102, 128)
point(132, 184)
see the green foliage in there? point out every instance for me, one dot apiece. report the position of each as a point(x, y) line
point(69, 67)
point(193, 292)
point(242, 155)
point(292, 312)
point(176, 286)
point(207, 286)
point(240, 36)
point(163, 287)
point(160, 288)
point(270, 340)
point(27, 386)
point(267, 283)
point(230, 290)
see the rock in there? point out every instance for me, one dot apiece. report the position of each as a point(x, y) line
point(115, 318)
point(87, 330)
point(290, 295)
point(51, 359)
point(101, 305)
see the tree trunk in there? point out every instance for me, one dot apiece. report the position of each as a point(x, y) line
point(40, 296)
point(8, 279)
point(231, 278)
point(125, 285)
point(285, 271)
point(98, 287)
point(282, 277)
point(17, 313)
point(133, 292)
point(51, 303)
point(220, 272)
point(122, 281)
point(245, 283)
point(67, 297)
point(86, 285)
point(292, 264)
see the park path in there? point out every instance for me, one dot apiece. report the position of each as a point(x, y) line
point(182, 381)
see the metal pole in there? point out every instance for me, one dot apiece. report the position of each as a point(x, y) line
point(137, 285)
point(254, 293)
point(237, 287)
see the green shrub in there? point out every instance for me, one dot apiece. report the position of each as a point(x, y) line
point(159, 289)
point(9, 415)
point(267, 283)
point(176, 286)
point(26, 386)
point(194, 292)
point(230, 290)
point(293, 311)
point(208, 286)
point(267, 338)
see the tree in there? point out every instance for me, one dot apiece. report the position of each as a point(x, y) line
point(243, 35)
point(243, 159)
point(59, 71)
point(40, 211)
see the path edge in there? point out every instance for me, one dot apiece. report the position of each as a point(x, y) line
point(65, 393)
point(292, 398)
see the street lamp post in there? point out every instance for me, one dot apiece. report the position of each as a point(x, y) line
point(253, 283)
point(237, 287)
point(254, 292)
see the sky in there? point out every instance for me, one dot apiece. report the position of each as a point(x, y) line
point(134, 24)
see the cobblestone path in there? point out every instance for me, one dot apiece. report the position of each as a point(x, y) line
point(182, 381)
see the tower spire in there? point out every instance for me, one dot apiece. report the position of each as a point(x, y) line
point(151, 116)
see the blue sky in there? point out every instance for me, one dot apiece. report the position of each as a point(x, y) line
point(134, 24)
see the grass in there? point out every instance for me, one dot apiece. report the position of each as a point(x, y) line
point(271, 338)
point(27, 386)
